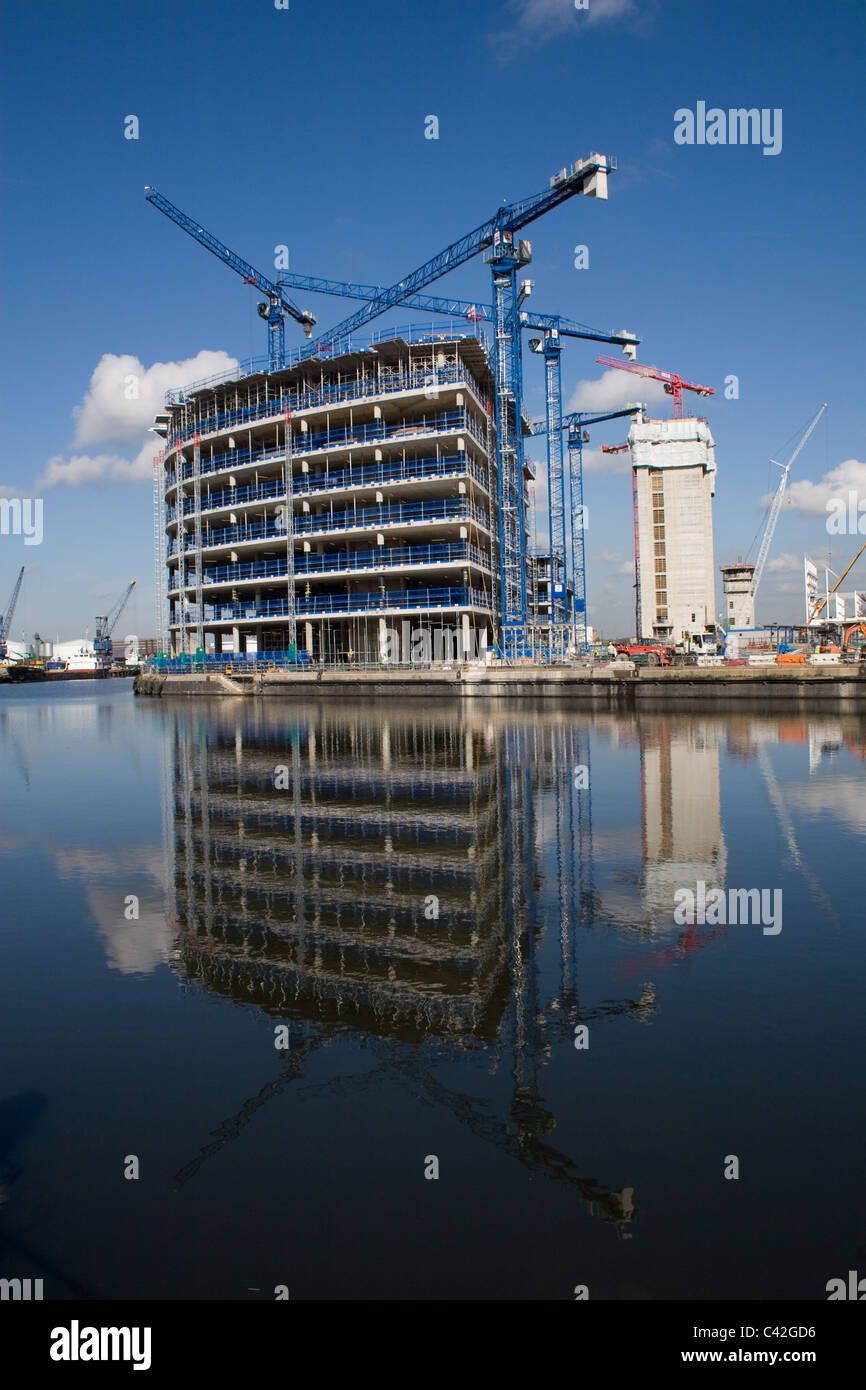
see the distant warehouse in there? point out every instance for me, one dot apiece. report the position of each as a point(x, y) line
point(388, 456)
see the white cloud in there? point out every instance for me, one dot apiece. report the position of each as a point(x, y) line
point(80, 469)
point(124, 396)
point(12, 491)
point(543, 19)
point(838, 797)
point(812, 498)
point(783, 564)
point(118, 410)
point(613, 390)
point(595, 461)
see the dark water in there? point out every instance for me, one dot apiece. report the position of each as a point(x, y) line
point(411, 1035)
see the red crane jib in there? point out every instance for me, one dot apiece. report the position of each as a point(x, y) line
point(674, 384)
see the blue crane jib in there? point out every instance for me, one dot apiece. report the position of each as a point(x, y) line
point(587, 176)
point(278, 304)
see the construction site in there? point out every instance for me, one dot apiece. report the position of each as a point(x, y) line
point(370, 498)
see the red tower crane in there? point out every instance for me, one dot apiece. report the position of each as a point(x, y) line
point(674, 384)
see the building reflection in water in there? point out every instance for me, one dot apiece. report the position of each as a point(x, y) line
point(379, 875)
point(397, 874)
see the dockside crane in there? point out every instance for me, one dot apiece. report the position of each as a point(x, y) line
point(6, 618)
point(105, 625)
point(776, 507)
point(278, 304)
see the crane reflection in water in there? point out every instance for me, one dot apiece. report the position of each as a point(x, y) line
point(422, 879)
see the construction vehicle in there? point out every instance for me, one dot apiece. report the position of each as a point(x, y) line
point(857, 629)
point(105, 625)
point(647, 653)
point(6, 618)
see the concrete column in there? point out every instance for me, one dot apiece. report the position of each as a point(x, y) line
point(383, 639)
point(466, 637)
point(308, 636)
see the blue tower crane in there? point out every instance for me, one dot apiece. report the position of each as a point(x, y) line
point(278, 305)
point(6, 618)
point(506, 255)
point(577, 424)
point(554, 327)
point(570, 539)
point(587, 176)
point(105, 625)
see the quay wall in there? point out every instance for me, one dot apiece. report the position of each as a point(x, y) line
point(800, 687)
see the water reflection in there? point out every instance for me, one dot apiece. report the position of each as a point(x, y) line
point(421, 878)
point(383, 876)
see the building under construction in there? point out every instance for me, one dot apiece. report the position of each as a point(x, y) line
point(388, 453)
point(303, 505)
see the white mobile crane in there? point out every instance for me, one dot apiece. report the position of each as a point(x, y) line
point(777, 506)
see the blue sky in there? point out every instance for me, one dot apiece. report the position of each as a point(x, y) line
point(306, 127)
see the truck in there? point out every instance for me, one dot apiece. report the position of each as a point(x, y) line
point(646, 653)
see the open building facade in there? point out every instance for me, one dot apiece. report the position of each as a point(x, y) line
point(341, 498)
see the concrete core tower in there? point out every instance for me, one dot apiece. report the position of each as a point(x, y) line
point(674, 475)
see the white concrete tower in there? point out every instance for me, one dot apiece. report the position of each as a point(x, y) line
point(739, 602)
point(674, 472)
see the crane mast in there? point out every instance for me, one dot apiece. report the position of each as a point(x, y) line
point(6, 619)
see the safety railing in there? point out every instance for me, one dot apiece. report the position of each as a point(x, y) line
point(247, 664)
point(324, 348)
point(349, 437)
point(332, 480)
point(340, 393)
point(446, 509)
point(239, 663)
point(348, 604)
point(390, 514)
point(380, 558)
